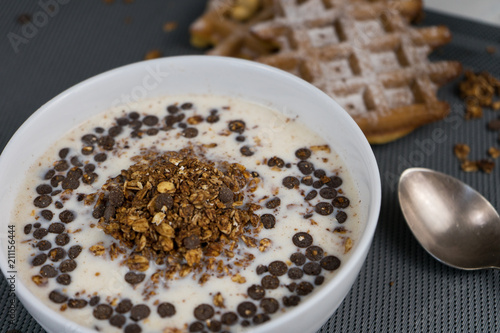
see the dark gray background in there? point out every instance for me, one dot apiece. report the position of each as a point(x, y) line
point(400, 288)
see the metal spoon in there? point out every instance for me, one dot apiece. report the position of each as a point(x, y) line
point(452, 221)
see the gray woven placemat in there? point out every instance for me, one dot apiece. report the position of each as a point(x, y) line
point(400, 288)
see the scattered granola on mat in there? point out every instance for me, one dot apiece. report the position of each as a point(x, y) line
point(479, 90)
point(365, 54)
point(487, 165)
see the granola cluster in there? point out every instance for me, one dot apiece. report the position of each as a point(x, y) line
point(178, 207)
point(479, 91)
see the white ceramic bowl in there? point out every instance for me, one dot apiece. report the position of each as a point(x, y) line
point(200, 75)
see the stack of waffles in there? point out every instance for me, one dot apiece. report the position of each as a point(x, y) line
point(365, 54)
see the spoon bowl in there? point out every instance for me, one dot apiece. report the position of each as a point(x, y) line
point(452, 221)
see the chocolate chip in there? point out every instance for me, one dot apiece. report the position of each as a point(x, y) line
point(89, 178)
point(47, 214)
point(303, 153)
point(39, 259)
point(319, 280)
point(341, 217)
point(102, 311)
point(150, 120)
point(293, 300)
point(115, 131)
point(229, 318)
point(88, 168)
point(67, 265)
point(323, 208)
point(214, 325)
point(166, 310)
point(246, 151)
point(57, 297)
point(162, 200)
point(62, 239)
point(328, 193)
point(317, 184)
point(246, 309)
point(298, 258)
point(101, 157)
point(302, 239)
point(277, 268)
point(196, 327)
point(152, 131)
point(311, 195)
point(334, 182)
point(314, 253)
point(64, 279)
point(44, 189)
point(134, 115)
point(261, 318)
point(42, 201)
point(74, 251)
point(70, 183)
point(58, 205)
point(237, 126)
point(275, 162)
point(256, 291)
point(226, 195)
point(61, 165)
point(99, 130)
point(340, 202)
point(48, 271)
point(94, 300)
point(106, 142)
point(27, 229)
point(49, 174)
point(191, 242)
point(172, 109)
point(122, 121)
point(40, 233)
point(44, 245)
point(57, 254)
point(132, 328)
point(139, 312)
point(312, 268)
point(187, 106)
point(305, 167)
point(213, 118)
point(273, 203)
point(290, 182)
point(124, 306)
point(203, 312)
point(240, 138)
point(268, 221)
point(77, 303)
point(261, 269)
point(295, 273)
point(87, 150)
point(89, 139)
point(307, 180)
point(67, 216)
point(330, 263)
point(304, 288)
point(134, 278)
point(37, 225)
point(76, 162)
point(117, 320)
point(74, 173)
point(270, 282)
point(190, 132)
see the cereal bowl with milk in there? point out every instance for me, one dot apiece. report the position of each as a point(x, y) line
point(188, 194)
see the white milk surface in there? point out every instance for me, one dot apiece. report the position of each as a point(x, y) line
point(270, 133)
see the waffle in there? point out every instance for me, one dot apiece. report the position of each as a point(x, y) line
point(225, 26)
point(362, 53)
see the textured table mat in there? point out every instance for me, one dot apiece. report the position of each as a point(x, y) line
point(401, 288)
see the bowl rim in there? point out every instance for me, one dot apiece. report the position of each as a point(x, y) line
point(358, 252)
